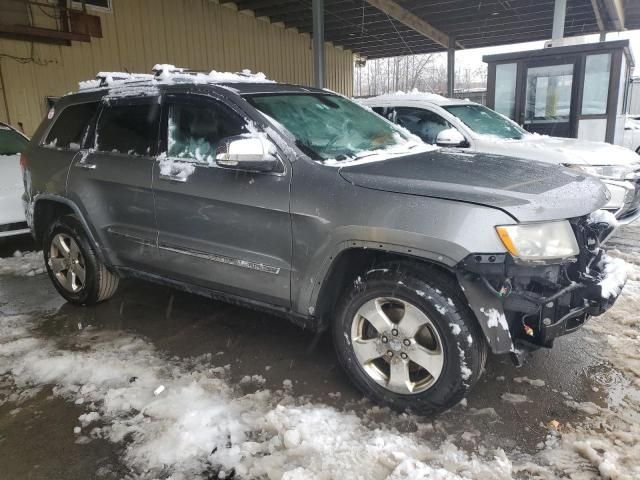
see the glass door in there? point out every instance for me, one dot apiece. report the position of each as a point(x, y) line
point(549, 99)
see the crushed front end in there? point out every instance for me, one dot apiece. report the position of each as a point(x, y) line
point(526, 305)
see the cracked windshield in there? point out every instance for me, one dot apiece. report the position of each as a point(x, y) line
point(319, 240)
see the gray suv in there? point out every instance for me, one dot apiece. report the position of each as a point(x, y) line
point(299, 202)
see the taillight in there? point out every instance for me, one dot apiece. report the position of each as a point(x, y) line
point(23, 162)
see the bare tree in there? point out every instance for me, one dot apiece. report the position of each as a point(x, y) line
point(426, 72)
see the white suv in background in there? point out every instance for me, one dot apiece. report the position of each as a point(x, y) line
point(12, 219)
point(470, 126)
point(632, 133)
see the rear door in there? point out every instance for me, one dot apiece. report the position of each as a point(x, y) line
point(225, 229)
point(110, 180)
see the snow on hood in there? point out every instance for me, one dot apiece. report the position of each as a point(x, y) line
point(559, 150)
point(404, 147)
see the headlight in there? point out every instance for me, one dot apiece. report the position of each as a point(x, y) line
point(612, 172)
point(539, 241)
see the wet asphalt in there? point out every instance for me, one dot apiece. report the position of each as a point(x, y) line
point(37, 439)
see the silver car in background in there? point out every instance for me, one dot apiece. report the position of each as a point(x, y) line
point(470, 126)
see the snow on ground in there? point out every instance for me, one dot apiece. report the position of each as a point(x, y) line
point(182, 418)
point(26, 264)
point(609, 440)
point(199, 422)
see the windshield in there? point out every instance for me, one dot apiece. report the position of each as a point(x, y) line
point(482, 120)
point(330, 127)
point(11, 142)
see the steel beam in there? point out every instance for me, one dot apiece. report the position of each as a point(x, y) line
point(559, 16)
point(404, 16)
point(318, 43)
point(615, 13)
point(451, 67)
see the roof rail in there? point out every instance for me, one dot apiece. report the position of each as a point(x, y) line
point(165, 72)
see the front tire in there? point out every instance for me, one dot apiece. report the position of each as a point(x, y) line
point(407, 339)
point(73, 266)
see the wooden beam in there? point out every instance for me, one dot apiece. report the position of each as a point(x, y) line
point(404, 16)
point(596, 12)
point(41, 35)
point(615, 11)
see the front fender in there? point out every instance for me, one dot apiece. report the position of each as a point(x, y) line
point(489, 312)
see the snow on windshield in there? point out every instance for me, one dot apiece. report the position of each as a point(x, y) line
point(335, 130)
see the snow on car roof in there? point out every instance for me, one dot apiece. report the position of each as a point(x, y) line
point(412, 96)
point(168, 74)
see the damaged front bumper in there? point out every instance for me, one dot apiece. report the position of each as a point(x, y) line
point(523, 306)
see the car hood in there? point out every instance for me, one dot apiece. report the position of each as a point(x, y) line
point(528, 191)
point(559, 150)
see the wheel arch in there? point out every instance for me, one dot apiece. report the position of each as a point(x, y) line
point(359, 258)
point(48, 207)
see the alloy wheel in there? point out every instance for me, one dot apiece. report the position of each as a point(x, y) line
point(397, 345)
point(67, 263)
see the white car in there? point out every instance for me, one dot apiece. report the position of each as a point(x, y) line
point(632, 133)
point(12, 219)
point(463, 124)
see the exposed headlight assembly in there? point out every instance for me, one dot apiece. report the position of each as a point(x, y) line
point(532, 242)
point(611, 172)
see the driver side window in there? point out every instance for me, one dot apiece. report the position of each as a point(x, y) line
point(423, 123)
point(194, 130)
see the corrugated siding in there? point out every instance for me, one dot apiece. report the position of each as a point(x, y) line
point(197, 34)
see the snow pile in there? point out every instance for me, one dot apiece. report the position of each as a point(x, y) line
point(25, 264)
point(166, 73)
point(609, 441)
point(198, 426)
point(615, 276)
point(402, 148)
point(176, 169)
point(603, 216)
point(495, 318)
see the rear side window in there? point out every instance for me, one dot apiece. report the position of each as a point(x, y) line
point(129, 129)
point(194, 131)
point(69, 128)
point(11, 142)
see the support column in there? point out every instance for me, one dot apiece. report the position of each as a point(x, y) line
point(559, 15)
point(451, 67)
point(318, 43)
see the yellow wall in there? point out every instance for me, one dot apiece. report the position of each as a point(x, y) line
point(198, 34)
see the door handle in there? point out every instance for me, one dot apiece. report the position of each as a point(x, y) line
point(171, 178)
point(88, 166)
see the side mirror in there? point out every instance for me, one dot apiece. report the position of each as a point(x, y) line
point(247, 152)
point(450, 137)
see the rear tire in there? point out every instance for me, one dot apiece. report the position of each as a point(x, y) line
point(373, 333)
point(73, 266)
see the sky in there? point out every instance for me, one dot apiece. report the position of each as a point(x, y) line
point(473, 58)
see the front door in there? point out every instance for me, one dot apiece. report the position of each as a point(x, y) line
point(228, 230)
point(550, 99)
point(110, 180)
